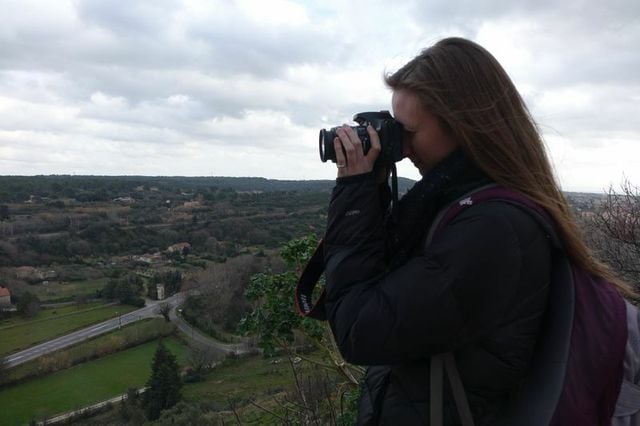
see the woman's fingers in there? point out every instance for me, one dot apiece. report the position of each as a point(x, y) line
point(351, 143)
point(354, 139)
point(376, 147)
point(341, 161)
point(350, 156)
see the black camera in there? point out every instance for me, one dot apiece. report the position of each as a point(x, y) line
point(389, 130)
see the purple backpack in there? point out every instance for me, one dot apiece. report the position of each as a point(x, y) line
point(578, 367)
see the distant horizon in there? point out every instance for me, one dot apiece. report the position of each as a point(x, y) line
point(604, 191)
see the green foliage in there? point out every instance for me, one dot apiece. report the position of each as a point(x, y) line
point(349, 406)
point(28, 305)
point(274, 317)
point(130, 410)
point(275, 320)
point(164, 385)
point(172, 281)
point(184, 413)
point(126, 289)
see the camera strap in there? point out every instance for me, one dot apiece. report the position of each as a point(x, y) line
point(307, 282)
point(314, 268)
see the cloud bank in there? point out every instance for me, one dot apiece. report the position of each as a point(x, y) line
point(169, 87)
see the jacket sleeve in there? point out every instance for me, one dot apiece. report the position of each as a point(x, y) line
point(454, 292)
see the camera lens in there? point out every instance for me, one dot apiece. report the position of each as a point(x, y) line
point(327, 151)
point(325, 141)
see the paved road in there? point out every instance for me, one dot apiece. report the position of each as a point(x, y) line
point(89, 332)
point(217, 346)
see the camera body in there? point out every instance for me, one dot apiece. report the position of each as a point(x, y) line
point(389, 130)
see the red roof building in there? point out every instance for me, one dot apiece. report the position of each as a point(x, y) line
point(5, 297)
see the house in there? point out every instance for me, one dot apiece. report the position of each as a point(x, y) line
point(149, 258)
point(5, 298)
point(181, 248)
point(124, 200)
point(191, 204)
point(29, 273)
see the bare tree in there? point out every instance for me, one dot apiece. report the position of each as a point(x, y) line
point(222, 287)
point(615, 231)
point(164, 309)
point(202, 357)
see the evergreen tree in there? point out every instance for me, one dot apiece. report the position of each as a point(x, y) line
point(164, 385)
point(28, 304)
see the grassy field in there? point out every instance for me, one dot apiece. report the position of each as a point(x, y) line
point(60, 292)
point(239, 378)
point(83, 384)
point(236, 381)
point(17, 334)
point(108, 343)
point(47, 314)
point(267, 382)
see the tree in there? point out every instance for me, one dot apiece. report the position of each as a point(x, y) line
point(164, 385)
point(130, 410)
point(275, 320)
point(201, 358)
point(221, 301)
point(126, 289)
point(172, 281)
point(615, 231)
point(28, 304)
point(164, 309)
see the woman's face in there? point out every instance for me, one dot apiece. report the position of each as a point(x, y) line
point(426, 143)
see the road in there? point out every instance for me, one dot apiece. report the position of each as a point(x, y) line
point(217, 346)
point(92, 331)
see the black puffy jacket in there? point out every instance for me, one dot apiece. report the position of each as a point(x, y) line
point(479, 290)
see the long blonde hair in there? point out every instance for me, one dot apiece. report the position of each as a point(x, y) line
point(462, 84)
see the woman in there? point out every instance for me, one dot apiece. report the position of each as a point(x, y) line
point(479, 289)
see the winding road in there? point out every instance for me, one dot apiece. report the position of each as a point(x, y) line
point(150, 310)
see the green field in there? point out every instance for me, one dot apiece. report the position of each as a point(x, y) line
point(47, 314)
point(17, 333)
point(83, 384)
point(236, 381)
point(240, 378)
point(61, 292)
point(108, 343)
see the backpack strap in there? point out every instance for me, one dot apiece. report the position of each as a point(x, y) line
point(440, 363)
point(446, 361)
point(628, 405)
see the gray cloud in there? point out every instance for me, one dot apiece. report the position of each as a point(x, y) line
point(168, 79)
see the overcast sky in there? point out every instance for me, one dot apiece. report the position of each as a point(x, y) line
point(241, 88)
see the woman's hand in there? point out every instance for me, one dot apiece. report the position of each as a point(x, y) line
point(356, 162)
